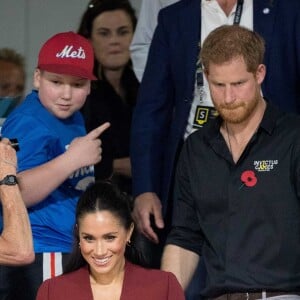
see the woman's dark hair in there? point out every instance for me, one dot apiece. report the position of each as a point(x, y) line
point(104, 195)
point(97, 7)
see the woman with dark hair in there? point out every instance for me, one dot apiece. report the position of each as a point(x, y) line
point(102, 264)
point(109, 25)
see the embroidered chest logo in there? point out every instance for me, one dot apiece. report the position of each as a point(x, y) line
point(265, 165)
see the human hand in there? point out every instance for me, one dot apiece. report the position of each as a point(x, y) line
point(85, 151)
point(147, 204)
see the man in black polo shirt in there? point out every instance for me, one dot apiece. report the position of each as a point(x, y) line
point(237, 201)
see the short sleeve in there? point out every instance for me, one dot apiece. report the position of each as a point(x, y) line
point(37, 145)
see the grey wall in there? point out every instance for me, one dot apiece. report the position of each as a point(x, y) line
point(26, 24)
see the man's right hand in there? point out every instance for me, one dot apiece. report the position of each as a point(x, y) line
point(145, 205)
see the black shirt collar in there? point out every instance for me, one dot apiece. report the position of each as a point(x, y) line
point(268, 122)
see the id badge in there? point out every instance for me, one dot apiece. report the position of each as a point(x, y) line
point(203, 114)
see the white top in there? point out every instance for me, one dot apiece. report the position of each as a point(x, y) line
point(144, 31)
point(212, 16)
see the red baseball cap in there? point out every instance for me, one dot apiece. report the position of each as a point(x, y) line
point(67, 53)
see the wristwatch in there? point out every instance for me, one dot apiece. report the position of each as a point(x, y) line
point(9, 180)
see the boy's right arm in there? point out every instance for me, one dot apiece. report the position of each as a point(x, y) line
point(37, 183)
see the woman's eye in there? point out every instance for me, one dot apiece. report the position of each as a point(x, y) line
point(123, 32)
point(110, 238)
point(103, 33)
point(88, 238)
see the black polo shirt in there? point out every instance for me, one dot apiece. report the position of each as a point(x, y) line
point(243, 218)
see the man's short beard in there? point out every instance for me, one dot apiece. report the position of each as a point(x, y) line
point(237, 114)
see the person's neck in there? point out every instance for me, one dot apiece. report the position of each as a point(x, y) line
point(108, 286)
point(111, 278)
point(114, 78)
point(237, 136)
point(227, 5)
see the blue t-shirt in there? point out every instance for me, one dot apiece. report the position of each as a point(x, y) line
point(42, 137)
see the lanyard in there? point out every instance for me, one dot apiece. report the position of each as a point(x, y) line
point(236, 21)
point(238, 12)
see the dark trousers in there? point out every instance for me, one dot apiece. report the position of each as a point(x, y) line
point(256, 295)
point(22, 283)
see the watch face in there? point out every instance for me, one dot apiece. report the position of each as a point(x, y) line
point(9, 180)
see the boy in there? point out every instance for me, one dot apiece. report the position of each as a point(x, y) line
point(55, 157)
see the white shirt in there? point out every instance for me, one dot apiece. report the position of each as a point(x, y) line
point(144, 32)
point(213, 16)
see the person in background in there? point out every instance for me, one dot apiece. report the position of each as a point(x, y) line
point(103, 264)
point(16, 246)
point(109, 25)
point(12, 80)
point(12, 73)
point(143, 34)
point(237, 182)
point(56, 157)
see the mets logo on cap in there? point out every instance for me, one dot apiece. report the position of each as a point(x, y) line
point(67, 53)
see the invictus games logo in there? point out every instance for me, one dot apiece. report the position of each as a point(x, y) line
point(265, 165)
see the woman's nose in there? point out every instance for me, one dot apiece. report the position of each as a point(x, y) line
point(100, 248)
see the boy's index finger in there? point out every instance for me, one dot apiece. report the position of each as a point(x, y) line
point(95, 133)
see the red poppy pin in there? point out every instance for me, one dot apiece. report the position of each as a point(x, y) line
point(248, 178)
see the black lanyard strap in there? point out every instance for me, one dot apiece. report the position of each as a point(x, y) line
point(238, 12)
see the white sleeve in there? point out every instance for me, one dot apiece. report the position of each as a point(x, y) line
point(146, 25)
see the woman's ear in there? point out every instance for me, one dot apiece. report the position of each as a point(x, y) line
point(130, 231)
